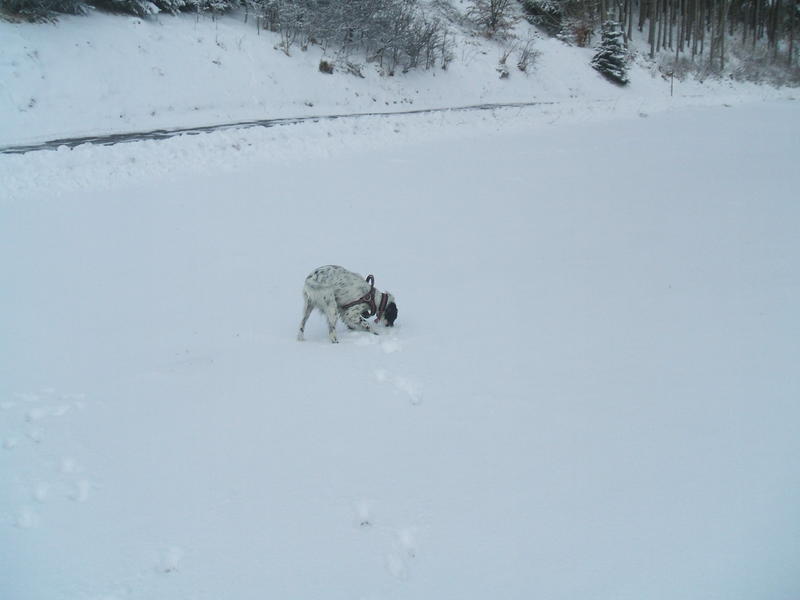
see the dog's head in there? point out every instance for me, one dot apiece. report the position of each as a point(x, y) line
point(389, 313)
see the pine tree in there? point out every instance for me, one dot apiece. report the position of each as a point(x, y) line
point(610, 58)
point(140, 8)
point(547, 14)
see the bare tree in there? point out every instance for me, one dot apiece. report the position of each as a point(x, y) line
point(492, 16)
point(394, 33)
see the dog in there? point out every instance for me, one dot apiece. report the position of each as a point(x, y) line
point(337, 292)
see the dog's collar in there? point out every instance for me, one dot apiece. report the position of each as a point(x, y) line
point(382, 305)
point(369, 300)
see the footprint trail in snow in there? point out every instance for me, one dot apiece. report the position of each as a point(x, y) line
point(399, 544)
point(34, 437)
point(401, 384)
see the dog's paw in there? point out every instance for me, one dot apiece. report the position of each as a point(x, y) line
point(300, 337)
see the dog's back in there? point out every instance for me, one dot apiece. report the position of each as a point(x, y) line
point(344, 284)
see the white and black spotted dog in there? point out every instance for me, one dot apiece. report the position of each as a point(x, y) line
point(337, 292)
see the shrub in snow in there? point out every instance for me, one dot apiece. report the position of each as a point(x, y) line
point(610, 59)
point(526, 56)
point(502, 63)
point(42, 9)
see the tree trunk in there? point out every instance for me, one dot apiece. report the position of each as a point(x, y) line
point(652, 33)
point(792, 18)
point(723, 27)
point(630, 18)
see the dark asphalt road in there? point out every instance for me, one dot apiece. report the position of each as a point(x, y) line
point(162, 134)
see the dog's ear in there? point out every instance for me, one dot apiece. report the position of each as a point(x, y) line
point(390, 314)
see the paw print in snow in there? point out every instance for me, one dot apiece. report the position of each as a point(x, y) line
point(401, 384)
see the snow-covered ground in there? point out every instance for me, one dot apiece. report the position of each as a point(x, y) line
point(591, 391)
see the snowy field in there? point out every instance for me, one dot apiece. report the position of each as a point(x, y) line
point(592, 390)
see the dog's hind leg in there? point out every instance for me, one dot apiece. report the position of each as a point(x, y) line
point(307, 308)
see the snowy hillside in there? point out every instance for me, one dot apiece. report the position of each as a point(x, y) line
point(591, 390)
point(106, 73)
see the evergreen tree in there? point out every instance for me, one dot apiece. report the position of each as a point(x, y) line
point(547, 14)
point(610, 58)
point(140, 8)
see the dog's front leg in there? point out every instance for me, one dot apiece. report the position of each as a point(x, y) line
point(366, 326)
point(353, 319)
